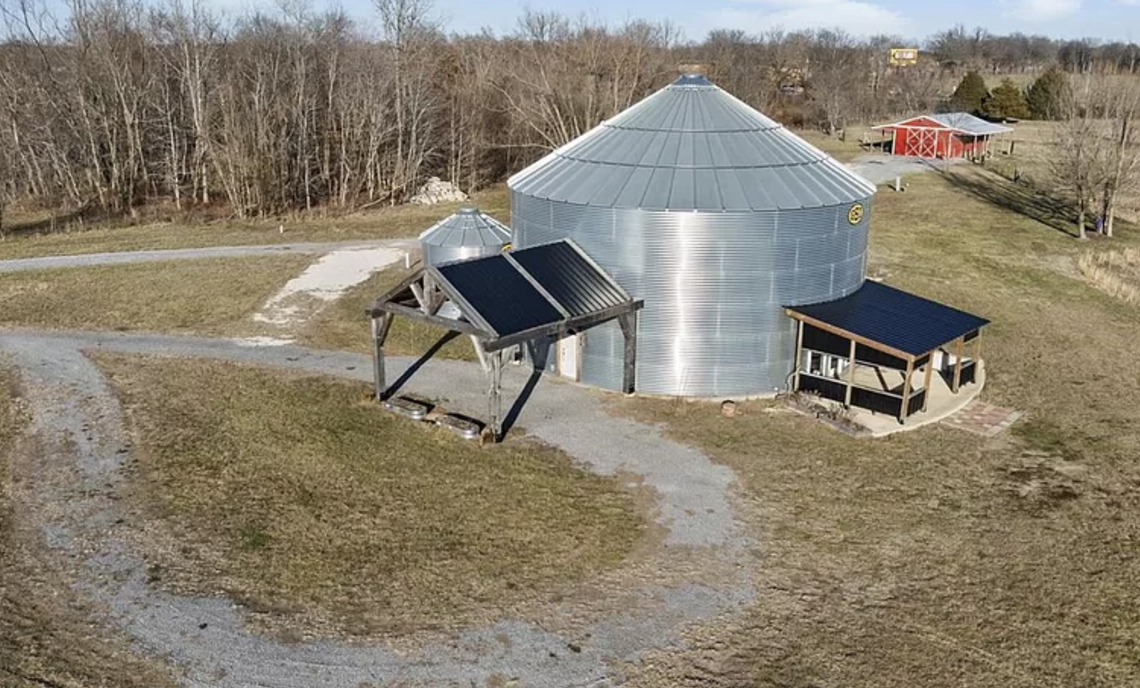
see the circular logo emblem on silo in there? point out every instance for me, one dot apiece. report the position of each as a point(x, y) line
point(855, 214)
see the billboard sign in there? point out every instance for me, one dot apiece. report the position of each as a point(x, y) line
point(902, 57)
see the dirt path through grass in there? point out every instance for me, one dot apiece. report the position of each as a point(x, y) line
point(703, 572)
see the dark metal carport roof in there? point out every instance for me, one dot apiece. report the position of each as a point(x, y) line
point(894, 318)
point(543, 291)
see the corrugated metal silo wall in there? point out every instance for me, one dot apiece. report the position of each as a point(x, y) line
point(435, 255)
point(714, 286)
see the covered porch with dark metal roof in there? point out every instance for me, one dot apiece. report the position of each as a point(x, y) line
point(529, 298)
point(878, 349)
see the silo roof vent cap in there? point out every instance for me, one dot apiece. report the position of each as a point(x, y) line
point(693, 79)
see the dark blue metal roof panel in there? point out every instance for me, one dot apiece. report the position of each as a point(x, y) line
point(579, 286)
point(895, 318)
point(500, 294)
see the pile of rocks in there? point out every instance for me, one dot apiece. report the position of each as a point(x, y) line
point(438, 191)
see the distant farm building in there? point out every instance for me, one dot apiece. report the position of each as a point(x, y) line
point(947, 135)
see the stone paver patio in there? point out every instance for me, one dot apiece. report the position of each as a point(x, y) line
point(983, 419)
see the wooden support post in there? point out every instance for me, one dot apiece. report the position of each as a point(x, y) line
point(799, 357)
point(380, 328)
point(421, 298)
point(495, 397)
point(906, 391)
point(628, 323)
point(850, 376)
point(958, 346)
point(481, 354)
point(926, 380)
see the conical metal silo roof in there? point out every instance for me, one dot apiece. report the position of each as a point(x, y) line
point(467, 228)
point(692, 146)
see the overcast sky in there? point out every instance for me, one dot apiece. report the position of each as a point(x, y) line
point(1106, 19)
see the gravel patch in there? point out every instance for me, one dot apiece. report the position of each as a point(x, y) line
point(79, 420)
point(325, 281)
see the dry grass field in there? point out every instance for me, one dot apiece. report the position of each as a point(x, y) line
point(212, 296)
point(938, 558)
point(934, 558)
point(843, 151)
point(31, 235)
point(295, 495)
point(1117, 273)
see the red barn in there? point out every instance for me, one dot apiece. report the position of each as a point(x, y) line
point(947, 135)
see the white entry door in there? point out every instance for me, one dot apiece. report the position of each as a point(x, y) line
point(568, 357)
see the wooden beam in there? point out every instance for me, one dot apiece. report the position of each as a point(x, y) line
point(495, 397)
point(421, 299)
point(433, 295)
point(481, 353)
point(958, 346)
point(380, 329)
point(906, 391)
point(926, 381)
point(395, 291)
point(628, 323)
point(877, 346)
point(446, 323)
point(799, 356)
point(850, 376)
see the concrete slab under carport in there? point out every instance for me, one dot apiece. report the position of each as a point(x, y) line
point(941, 405)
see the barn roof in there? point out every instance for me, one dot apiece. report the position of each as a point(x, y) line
point(691, 146)
point(962, 122)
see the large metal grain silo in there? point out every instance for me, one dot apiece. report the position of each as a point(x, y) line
point(466, 234)
point(717, 217)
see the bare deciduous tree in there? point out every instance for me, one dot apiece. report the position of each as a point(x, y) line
point(1120, 102)
point(1077, 160)
point(118, 103)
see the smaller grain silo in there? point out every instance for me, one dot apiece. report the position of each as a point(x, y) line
point(467, 234)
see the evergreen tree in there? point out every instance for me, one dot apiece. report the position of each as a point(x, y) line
point(1006, 102)
point(970, 94)
point(1046, 97)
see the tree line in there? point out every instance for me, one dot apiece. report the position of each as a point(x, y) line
point(119, 103)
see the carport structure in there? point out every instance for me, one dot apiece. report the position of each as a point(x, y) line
point(531, 297)
point(852, 350)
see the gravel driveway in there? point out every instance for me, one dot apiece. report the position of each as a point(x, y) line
point(882, 169)
point(75, 498)
point(86, 260)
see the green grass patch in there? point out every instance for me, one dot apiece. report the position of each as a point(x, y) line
point(210, 296)
point(293, 493)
